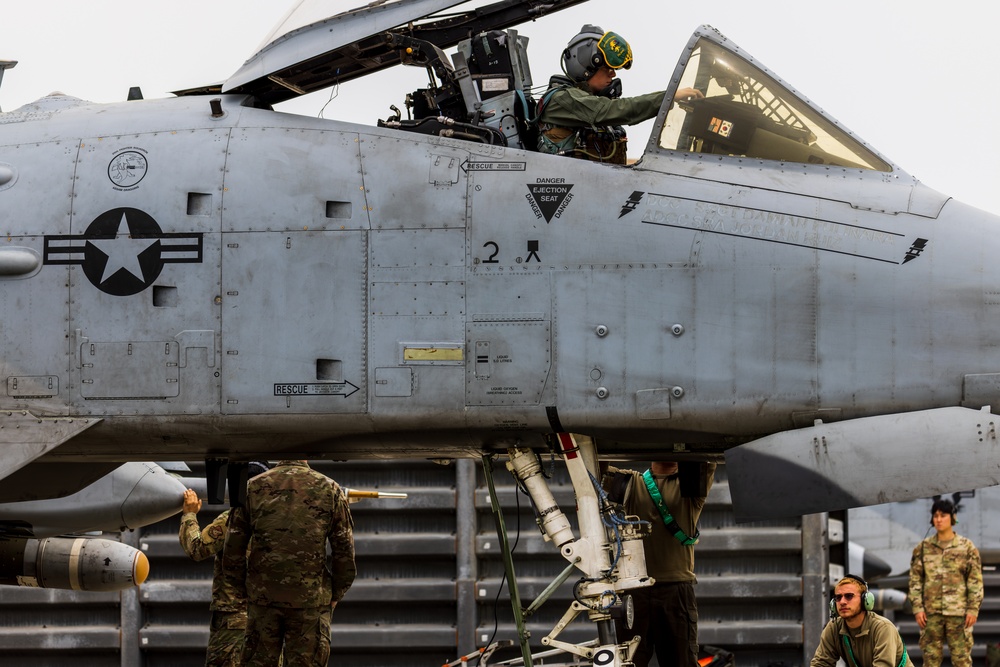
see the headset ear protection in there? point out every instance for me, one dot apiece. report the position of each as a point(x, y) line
point(867, 597)
point(946, 507)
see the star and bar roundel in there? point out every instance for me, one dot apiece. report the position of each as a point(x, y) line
point(123, 250)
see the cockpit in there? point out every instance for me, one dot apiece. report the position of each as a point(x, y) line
point(487, 96)
point(483, 91)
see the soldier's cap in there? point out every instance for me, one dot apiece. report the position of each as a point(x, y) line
point(255, 468)
point(943, 505)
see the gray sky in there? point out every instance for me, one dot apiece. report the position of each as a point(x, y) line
point(914, 81)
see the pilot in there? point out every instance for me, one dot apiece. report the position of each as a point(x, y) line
point(229, 603)
point(582, 111)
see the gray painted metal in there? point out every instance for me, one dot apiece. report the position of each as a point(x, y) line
point(130, 651)
point(320, 368)
point(318, 44)
point(24, 438)
point(299, 38)
point(815, 581)
point(4, 66)
point(132, 495)
point(786, 463)
point(307, 271)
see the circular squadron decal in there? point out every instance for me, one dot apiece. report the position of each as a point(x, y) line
point(127, 168)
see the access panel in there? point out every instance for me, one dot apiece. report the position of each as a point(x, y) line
point(294, 336)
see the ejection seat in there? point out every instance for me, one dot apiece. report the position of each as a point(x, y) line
point(484, 96)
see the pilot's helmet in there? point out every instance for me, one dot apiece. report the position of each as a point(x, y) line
point(593, 49)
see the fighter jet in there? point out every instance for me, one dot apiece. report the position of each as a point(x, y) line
point(203, 277)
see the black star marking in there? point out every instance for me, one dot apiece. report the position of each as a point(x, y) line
point(123, 251)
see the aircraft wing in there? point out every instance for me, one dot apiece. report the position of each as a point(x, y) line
point(314, 47)
point(868, 461)
point(24, 438)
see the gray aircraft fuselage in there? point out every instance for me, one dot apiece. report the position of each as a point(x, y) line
point(187, 281)
point(265, 282)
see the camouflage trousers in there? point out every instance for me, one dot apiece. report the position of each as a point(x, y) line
point(303, 633)
point(225, 639)
point(941, 628)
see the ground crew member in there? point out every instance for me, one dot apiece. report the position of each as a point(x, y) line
point(946, 589)
point(229, 604)
point(666, 614)
point(279, 541)
point(858, 636)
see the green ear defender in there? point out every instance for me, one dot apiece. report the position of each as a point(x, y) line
point(867, 597)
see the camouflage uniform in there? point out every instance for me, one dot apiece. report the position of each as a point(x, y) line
point(946, 583)
point(229, 604)
point(279, 541)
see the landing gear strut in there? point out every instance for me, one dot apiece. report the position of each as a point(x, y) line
point(608, 551)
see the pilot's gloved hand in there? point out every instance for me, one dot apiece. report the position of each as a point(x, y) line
point(689, 93)
point(192, 503)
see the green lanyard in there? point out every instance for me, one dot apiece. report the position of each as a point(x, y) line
point(847, 643)
point(668, 518)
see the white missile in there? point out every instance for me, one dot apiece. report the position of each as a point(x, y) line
point(79, 564)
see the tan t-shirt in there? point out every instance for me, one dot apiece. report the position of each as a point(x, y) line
point(667, 560)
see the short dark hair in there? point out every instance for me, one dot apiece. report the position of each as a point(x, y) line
point(943, 505)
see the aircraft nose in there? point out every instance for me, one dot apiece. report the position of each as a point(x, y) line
point(154, 495)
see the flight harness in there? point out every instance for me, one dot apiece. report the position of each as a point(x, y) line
point(605, 141)
point(668, 518)
point(546, 145)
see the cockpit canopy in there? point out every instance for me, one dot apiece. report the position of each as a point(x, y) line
point(483, 92)
point(748, 113)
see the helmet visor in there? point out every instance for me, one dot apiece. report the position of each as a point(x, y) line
point(615, 51)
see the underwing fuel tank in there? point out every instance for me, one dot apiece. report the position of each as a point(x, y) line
point(133, 495)
point(818, 465)
point(79, 564)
